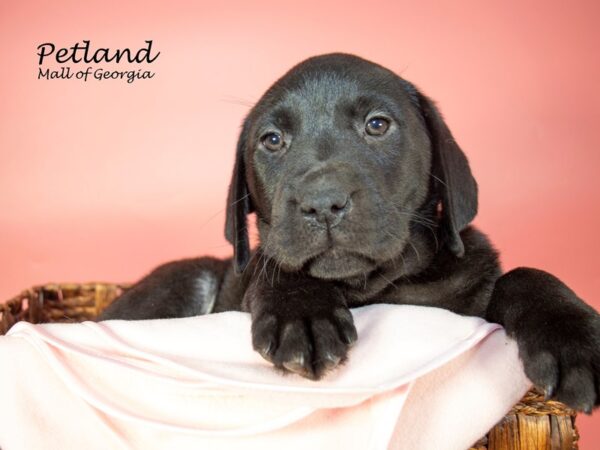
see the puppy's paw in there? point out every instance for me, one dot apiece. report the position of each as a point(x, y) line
point(558, 335)
point(307, 345)
point(565, 363)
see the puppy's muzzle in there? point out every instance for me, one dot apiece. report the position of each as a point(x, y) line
point(325, 208)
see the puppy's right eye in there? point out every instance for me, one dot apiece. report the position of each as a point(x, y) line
point(273, 141)
point(377, 126)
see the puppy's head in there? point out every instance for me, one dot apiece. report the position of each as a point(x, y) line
point(337, 159)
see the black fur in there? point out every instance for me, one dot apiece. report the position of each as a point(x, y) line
point(238, 208)
point(557, 333)
point(347, 218)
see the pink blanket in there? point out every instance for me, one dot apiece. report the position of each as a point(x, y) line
point(415, 378)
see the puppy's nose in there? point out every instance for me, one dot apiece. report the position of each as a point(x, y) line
point(325, 208)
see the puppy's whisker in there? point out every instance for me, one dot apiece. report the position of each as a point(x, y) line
point(421, 218)
point(425, 222)
point(238, 101)
point(221, 211)
point(261, 257)
point(239, 199)
point(392, 256)
point(416, 251)
point(256, 257)
point(387, 280)
point(438, 179)
point(274, 269)
point(263, 270)
point(218, 213)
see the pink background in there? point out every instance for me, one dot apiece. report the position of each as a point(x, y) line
point(104, 180)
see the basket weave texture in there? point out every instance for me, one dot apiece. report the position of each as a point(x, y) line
point(533, 423)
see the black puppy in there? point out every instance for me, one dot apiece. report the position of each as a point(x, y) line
point(362, 196)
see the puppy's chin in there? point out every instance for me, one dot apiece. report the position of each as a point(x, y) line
point(335, 265)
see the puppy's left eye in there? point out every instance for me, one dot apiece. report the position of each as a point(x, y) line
point(377, 126)
point(273, 141)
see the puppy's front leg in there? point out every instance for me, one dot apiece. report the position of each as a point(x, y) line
point(299, 323)
point(558, 335)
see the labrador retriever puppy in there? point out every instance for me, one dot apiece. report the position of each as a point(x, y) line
point(362, 195)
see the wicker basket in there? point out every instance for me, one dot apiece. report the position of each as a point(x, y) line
point(532, 424)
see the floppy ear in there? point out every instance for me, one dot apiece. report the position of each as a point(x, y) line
point(453, 180)
point(238, 208)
